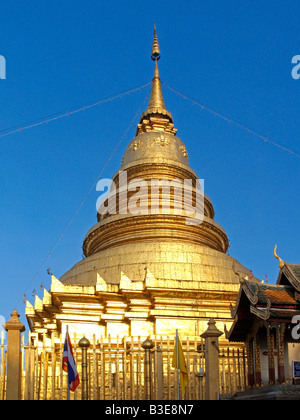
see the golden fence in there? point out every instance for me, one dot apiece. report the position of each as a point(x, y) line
point(3, 361)
point(116, 368)
point(233, 370)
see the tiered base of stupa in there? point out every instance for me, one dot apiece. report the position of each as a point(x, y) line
point(146, 290)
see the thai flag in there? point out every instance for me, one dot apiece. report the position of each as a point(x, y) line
point(69, 365)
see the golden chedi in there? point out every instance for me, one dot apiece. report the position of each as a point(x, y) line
point(147, 272)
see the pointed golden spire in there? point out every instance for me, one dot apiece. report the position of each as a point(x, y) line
point(155, 53)
point(156, 98)
point(156, 117)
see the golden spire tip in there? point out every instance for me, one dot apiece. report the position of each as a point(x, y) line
point(155, 53)
point(156, 117)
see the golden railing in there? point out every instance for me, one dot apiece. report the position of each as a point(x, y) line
point(3, 361)
point(233, 370)
point(116, 368)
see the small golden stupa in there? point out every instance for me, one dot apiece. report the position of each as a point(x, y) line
point(146, 274)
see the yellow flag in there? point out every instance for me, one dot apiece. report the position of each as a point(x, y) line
point(184, 378)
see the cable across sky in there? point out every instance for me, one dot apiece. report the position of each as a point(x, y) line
point(56, 116)
point(59, 115)
point(232, 121)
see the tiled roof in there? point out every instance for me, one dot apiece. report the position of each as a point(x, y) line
point(283, 295)
point(295, 268)
point(276, 294)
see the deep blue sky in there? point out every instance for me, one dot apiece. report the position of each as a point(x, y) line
point(235, 57)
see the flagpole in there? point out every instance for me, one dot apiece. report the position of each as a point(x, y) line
point(177, 364)
point(68, 369)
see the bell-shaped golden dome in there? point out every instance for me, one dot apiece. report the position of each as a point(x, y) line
point(155, 154)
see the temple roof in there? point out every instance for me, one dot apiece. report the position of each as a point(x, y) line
point(265, 302)
point(269, 303)
point(290, 275)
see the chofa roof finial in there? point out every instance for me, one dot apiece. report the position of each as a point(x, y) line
point(281, 262)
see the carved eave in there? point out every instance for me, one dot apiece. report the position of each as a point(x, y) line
point(261, 312)
point(250, 291)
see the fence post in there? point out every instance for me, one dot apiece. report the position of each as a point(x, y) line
point(160, 373)
point(211, 336)
point(84, 344)
point(147, 346)
point(29, 370)
point(14, 328)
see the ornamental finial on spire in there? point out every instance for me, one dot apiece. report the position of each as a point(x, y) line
point(155, 53)
point(156, 117)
